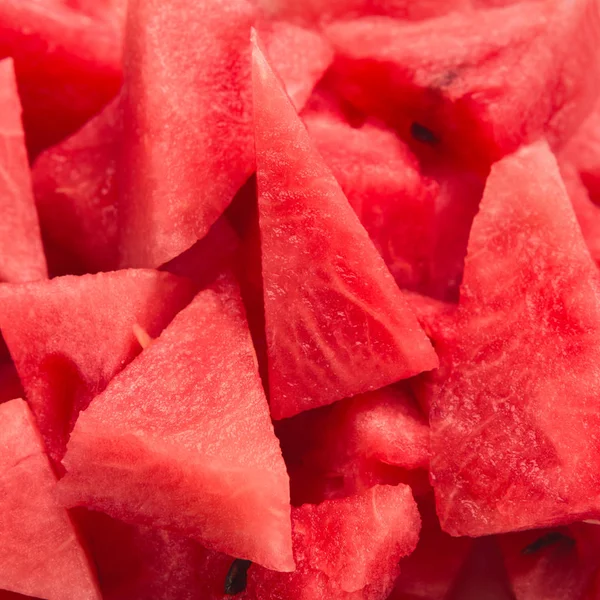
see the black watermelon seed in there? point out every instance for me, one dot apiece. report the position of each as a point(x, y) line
point(237, 577)
point(423, 134)
point(549, 539)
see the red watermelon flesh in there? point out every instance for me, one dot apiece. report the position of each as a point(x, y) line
point(190, 414)
point(351, 445)
point(382, 180)
point(68, 66)
point(325, 10)
point(483, 575)
point(299, 55)
point(188, 90)
point(459, 93)
point(587, 213)
point(583, 151)
point(508, 451)
point(76, 194)
point(431, 571)
point(553, 564)
point(345, 549)
point(336, 323)
point(10, 384)
point(70, 336)
point(21, 252)
point(208, 257)
point(140, 563)
point(39, 549)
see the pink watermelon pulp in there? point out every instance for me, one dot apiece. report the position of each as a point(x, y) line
point(210, 455)
point(507, 452)
point(39, 549)
point(341, 328)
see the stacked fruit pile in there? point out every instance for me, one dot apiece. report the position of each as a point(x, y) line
point(300, 299)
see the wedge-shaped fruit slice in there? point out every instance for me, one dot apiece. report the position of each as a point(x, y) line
point(345, 549)
point(534, 72)
point(21, 253)
point(76, 195)
point(39, 549)
point(71, 335)
point(182, 439)
point(188, 123)
point(336, 323)
point(68, 66)
point(513, 424)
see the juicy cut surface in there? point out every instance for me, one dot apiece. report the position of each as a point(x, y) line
point(182, 439)
point(336, 323)
point(514, 425)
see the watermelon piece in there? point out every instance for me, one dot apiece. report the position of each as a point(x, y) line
point(511, 447)
point(187, 89)
point(345, 549)
point(341, 327)
point(39, 549)
point(382, 180)
point(191, 415)
point(432, 570)
point(554, 564)
point(324, 10)
point(534, 73)
point(208, 257)
point(70, 336)
point(299, 55)
point(348, 446)
point(76, 194)
point(68, 66)
point(21, 252)
point(583, 151)
point(136, 562)
point(483, 575)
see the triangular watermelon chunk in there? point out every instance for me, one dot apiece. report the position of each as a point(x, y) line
point(454, 91)
point(190, 416)
point(68, 66)
point(70, 336)
point(187, 88)
point(346, 549)
point(76, 194)
point(512, 425)
point(40, 552)
point(21, 253)
point(336, 323)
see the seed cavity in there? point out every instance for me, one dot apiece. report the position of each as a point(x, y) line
point(237, 577)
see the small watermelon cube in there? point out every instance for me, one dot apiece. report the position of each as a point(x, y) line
point(182, 439)
point(347, 549)
point(40, 551)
